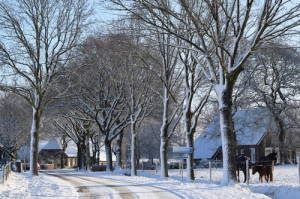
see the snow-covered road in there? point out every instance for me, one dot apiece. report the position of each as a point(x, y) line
point(71, 184)
point(97, 187)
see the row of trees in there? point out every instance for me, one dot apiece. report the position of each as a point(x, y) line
point(160, 64)
point(36, 40)
point(221, 36)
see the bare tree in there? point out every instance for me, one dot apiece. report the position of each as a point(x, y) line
point(227, 33)
point(138, 97)
point(13, 122)
point(170, 75)
point(102, 86)
point(73, 124)
point(164, 65)
point(149, 139)
point(196, 96)
point(35, 44)
point(137, 92)
point(118, 150)
point(272, 78)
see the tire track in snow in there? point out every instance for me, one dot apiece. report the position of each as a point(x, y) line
point(124, 192)
point(83, 191)
point(132, 190)
point(114, 188)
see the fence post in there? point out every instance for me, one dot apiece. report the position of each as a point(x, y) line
point(247, 171)
point(143, 166)
point(155, 167)
point(209, 164)
point(179, 167)
point(182, 170)
point(3, 174)
point(298, 161)
point(6, 172)
point(9, 168)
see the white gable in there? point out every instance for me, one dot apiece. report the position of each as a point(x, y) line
point(42, 143)
point(53, 144)
point(209, 141)
point(250, 127)
point(71, 151)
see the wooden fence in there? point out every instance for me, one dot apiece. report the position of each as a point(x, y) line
point(5, 171)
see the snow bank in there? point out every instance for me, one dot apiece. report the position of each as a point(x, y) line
point(21, 186)
point(285, 185)
point(202, 188)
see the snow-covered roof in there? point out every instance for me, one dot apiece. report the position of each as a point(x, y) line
point(250, 127)
point(53, 144)
point(42, 143)
point(71, 151)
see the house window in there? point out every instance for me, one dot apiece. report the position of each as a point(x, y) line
point(252, 155)
point(242, 152)
point(268, 150)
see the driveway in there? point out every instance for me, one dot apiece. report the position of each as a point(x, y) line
point(97, 187)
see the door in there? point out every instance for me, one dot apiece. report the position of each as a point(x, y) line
point(253, 156)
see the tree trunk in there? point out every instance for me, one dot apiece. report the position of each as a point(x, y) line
point(133, 149)
point(79, 156)
point(190, 158)
point(94, 156)
point(281, 140)
point(189, 139)
point(227, 133)
point(83, 153)
point(96, 153)
point(62, 162)
point(163, 157)
point(107, 144)
point(88, 153)
point(164, 138)
point(83, 158)
point(119, 151)
point(34, 143)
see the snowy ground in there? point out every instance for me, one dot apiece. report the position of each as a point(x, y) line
point(285, 185)
point(20, 186)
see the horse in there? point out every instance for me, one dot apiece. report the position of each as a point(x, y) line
point(267, 160)
point(241, 166)
point(265, 172)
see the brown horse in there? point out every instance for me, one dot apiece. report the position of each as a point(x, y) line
point(265, 172)
point(267, 160)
